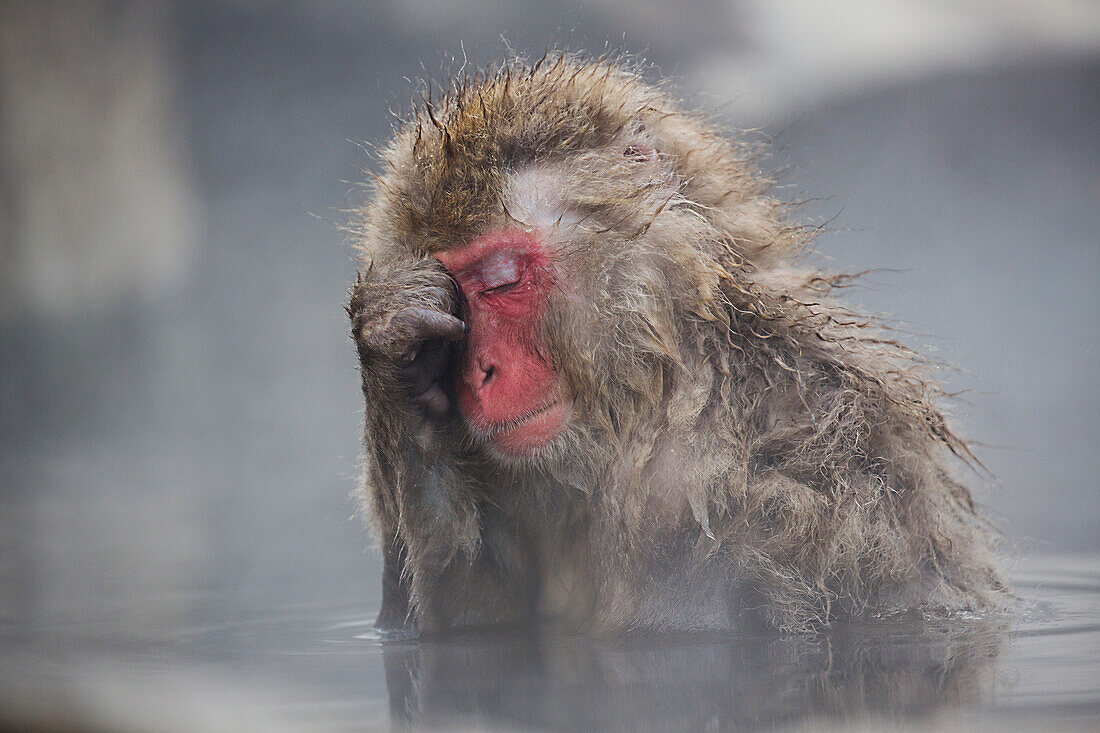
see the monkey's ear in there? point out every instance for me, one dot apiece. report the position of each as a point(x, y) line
point(637, 144)
point(655, 173)
point(639, 153)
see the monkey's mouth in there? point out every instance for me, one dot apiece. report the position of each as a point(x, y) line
point(527, 433)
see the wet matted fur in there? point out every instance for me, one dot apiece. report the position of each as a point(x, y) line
point(742, 444)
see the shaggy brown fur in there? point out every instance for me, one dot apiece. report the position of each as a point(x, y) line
point(742, 445)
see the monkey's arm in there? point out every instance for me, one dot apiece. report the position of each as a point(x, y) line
point(403, 326)
point(439, 567)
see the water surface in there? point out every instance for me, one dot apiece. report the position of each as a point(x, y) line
point(324, 668)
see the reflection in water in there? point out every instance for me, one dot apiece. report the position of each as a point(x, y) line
point(321, 667)
point(892, 669)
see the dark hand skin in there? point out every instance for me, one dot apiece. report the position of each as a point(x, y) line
point(419, 341)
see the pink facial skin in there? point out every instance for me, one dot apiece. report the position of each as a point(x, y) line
point(507, 390)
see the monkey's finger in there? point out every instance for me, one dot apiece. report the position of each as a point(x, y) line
point(427, 366)
point(432, 401)
point(424, 324)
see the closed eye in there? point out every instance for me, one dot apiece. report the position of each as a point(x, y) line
point(502, 288)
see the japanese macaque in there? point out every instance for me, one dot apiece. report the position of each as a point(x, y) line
point(599, 390)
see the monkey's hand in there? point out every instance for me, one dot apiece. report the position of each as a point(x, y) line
point(404, 326)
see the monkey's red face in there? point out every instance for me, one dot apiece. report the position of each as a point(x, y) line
point(507, 387)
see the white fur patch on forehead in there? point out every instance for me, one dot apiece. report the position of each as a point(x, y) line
point(534, 197)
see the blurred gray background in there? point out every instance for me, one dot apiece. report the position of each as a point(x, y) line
point(179, 405)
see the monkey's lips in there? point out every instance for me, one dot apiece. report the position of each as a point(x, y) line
point(527, 433)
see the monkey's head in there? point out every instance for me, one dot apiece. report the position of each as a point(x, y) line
point(584, 219)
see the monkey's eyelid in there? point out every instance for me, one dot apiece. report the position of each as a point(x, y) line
point(502, 288)
point(500, 270)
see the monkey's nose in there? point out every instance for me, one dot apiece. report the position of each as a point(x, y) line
point(479, 373)
point(486, 372)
